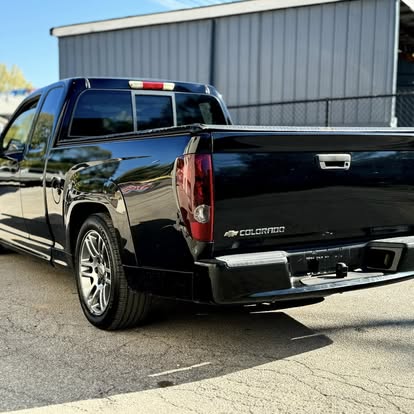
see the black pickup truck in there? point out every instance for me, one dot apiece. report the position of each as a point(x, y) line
point(146, 190)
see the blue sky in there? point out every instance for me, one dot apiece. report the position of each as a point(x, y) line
point(25, 24)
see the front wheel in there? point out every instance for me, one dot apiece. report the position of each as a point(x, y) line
point(106, 299)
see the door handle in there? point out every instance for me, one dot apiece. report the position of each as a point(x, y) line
point(57, 184)
point(334, 161)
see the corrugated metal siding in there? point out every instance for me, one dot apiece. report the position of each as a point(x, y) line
point(175, 51)
point(334, 50)
point(331, 50)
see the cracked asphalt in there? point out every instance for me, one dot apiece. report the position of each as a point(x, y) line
point(352, 353)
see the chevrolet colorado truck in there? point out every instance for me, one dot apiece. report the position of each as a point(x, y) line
point(145, 189)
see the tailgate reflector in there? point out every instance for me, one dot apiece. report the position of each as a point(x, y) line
point(161, 86)
point(194, 186)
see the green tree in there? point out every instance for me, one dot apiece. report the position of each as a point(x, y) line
point(12, 78)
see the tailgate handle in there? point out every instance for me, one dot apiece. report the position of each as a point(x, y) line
point(334, 161)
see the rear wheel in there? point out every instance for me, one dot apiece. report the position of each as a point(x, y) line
point(106, 299)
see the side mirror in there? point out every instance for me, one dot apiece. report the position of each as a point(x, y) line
point(14, 146)
point(13, 152)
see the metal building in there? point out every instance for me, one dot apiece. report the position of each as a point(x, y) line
point(257, 53)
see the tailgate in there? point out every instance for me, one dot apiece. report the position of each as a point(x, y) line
point(284, 189)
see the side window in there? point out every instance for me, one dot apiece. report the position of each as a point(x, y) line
point(101, 112)
point(154, 111)
point(18, 133)
point(46, 120)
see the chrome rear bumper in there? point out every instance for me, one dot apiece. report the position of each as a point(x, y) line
point(287, 275)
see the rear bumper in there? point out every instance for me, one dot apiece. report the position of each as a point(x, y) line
point(279, 275)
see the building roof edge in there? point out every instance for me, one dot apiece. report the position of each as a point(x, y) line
point(184, 15)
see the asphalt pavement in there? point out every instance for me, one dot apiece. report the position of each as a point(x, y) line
point(352, 353)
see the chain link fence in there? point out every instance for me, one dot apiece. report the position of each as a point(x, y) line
point(357, 111)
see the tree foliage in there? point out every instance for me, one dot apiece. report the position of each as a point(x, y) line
point(12, 78)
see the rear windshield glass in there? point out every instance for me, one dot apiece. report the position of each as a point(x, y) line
point(156, 111)
point(198, 109)
point(102, 113)
point(108, 112)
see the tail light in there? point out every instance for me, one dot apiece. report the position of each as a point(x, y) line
point(194, 181)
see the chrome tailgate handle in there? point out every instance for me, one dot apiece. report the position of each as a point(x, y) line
point(334, 161)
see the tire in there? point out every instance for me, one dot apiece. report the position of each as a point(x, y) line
point(106, 299)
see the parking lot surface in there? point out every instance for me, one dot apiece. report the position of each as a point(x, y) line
point(349, 353)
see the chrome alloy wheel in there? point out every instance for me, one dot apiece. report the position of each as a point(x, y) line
point(95, 273)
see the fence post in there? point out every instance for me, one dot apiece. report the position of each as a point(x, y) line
point(327, 111)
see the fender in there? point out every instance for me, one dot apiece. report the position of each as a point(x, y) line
point(108, 198)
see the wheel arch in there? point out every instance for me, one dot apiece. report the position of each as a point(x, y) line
point(113, 205)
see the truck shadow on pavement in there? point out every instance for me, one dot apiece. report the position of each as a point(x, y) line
point(50, 354)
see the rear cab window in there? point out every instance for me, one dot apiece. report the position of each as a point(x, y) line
point(159, 110)
point(111, 112)
point(198, 109)
point(154, 111)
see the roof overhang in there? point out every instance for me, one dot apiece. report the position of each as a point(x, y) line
point(185, 15)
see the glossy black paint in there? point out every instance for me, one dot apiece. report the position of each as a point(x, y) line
point(289, 140)
point(257, 186)
point(129, 176)
point(137, 191)
point(261, 179)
